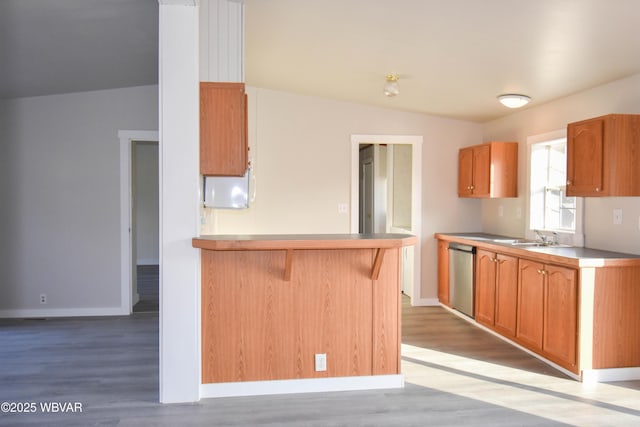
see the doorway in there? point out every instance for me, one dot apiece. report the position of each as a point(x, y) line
point(386, 195)
point(145, 229)
point(138, 249)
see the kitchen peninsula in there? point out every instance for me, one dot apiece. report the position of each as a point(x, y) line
point(289, 313)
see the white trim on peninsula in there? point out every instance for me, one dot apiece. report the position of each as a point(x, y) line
point(314, 385)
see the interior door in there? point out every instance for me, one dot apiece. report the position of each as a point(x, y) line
point(367, 190)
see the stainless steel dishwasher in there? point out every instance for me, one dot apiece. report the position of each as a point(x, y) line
point(461, 275)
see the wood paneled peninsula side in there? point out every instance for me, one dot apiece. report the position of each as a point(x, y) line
point(575, 307)
point(271, 303)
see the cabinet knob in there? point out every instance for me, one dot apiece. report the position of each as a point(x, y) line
point(597, 189)
point(471, 187)
point(568, 182)
point(542, 272)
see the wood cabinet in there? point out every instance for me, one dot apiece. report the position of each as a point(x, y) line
point(560, 314)
point(496, 291)
point(547, 311)
point(224, 150)
point(530, 304)
point(485, 287)
point(270, 303)
point(488, 170)
point(443, 272)
point(575, 307)
point(602, 156)
point(506, 294)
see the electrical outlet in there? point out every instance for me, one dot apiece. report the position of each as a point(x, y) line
point(321, 362)
point(43, 298)
point(343, 208)
point(518, 213)
point(500, 210)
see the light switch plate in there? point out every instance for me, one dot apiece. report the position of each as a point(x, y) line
point(617, 216)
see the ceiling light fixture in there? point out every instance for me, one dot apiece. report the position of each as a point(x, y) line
point(513, 100)
point(391, 87)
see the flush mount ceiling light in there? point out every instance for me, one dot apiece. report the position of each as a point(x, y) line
point(391, 87)
point(513, 100)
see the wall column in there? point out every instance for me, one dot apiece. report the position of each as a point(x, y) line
point(179, 262)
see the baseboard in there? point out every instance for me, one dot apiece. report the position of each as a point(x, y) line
point(425, 302)
point(63, 312)
point(311, 385)
point(590, 376)
point(148, 262)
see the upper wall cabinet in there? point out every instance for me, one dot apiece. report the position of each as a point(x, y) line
point(488, 170)
point(224, 150)
point(603, 155)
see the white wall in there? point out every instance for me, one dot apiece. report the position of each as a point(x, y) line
point(145, 187)
point(179, 261)
point(622, 96)
point(59, 219)
point(301, 151)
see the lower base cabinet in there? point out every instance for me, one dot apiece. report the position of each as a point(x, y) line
point(443, 272)
point(572, 312)
point(547, 311)
point(506, 295)
point(560, 315)
point(496, 291)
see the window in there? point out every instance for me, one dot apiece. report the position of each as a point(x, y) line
point(550, 208)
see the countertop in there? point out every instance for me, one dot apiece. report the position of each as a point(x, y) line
point(240, 242)
point(568, 255)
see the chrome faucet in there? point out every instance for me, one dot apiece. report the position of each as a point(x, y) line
point(545, 240)
point(541, 237)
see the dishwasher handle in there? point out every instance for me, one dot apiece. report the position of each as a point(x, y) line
point(462, 247)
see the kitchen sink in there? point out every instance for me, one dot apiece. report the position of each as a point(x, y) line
point(528, 243)
point(540, 244)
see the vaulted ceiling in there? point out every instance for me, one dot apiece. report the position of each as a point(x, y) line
point(453, 56)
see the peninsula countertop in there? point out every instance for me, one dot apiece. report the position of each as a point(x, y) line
point(258, 242)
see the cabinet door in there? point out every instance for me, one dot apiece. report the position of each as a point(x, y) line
point(443, 272)
point(530, 303)
point(465, 172)
point(560, 314)
point(506, 294)
point(223, 129)
point(585, 158)
point(485, 287)
point(482, 171)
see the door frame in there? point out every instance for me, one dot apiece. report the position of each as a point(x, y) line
point(416, 194)
point(127, 138)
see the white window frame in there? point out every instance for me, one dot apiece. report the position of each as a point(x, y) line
point(575, 238)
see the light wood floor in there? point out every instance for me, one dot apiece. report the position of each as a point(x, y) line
point(456, 374)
